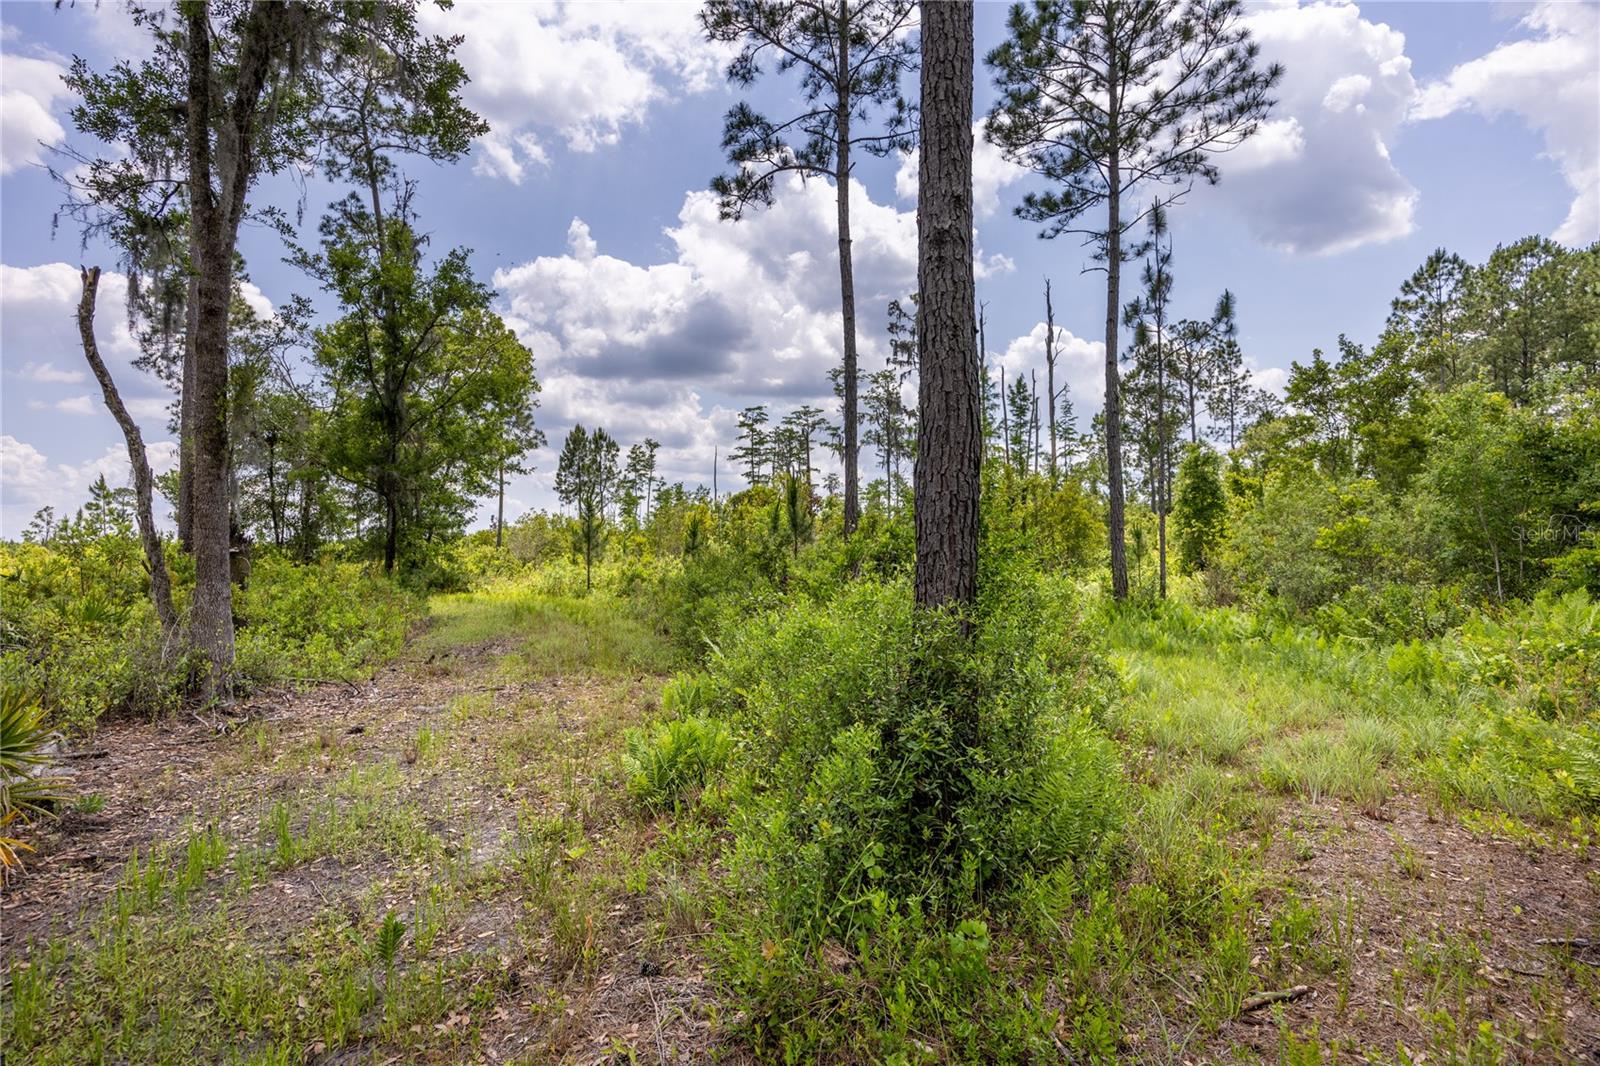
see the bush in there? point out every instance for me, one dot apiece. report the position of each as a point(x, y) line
point(1544, 654)
point(78, 628)
point(328, 621)
point(887, 756)
point(894, 785)
point(666, 760)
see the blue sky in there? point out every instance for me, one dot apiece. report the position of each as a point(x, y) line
point(1401, 127)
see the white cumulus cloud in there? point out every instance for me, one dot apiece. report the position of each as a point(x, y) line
point(580, 71)
point(29, 89)
point(47, 372)
point(1551, 80)
point(1317, 178)
point(742, 312)
point(29, 480)
point(1080, 367)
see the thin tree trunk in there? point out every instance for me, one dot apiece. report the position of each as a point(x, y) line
point(1494, 553)
point(500, 517)
point(391, 527)
point(1005, 418)
point(1035, 447)
point(847, 279)
point(1113, 410)
point(983, 381)
point(1050, 372)
point(305, 520)
point(191, 314)
point(138, 460)
point(949, 455)
point(1161, 426)
point(272, 489)
point(1161, 495)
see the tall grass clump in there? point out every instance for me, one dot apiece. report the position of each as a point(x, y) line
point(894, 786)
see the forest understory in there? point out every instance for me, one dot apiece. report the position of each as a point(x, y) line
point(443, 863)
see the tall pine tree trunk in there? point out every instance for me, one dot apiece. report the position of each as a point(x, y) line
point(1161, 443)
point(847, 294)
point(949, 452)
point(1050, 373)
point(1115, 521)
point(847, 275)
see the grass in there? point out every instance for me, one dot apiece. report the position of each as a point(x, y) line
point(552, 635)
point(470, 873)
point(1326, 721)
point(345, 918)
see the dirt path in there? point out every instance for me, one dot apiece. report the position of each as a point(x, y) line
point(1427, 931)
point(476, 803)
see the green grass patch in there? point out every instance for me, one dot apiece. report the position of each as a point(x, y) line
point(599, 634)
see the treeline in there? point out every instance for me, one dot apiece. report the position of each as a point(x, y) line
point(1455, 461)
point(1385, 492)
point(376, 430)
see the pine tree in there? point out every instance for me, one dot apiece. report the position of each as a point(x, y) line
point(950, 428)
point(1104, 96)
point(1147, 313)
point(755, 445)
point(804, 423)
point(1228, 382)
point(587, 480)
point(1431, 309)
point(850, 55)
point(1019, 410)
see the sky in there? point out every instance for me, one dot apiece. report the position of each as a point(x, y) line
point(1399, 128)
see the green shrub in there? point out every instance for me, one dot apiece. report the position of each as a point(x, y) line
point(1544, 654)
point(895, 788)
point(666, 760)
point(78, 628)
point(321, 622)
point(886, 754)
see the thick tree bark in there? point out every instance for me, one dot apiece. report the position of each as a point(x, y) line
point(950, 428)
point(217, 190)
point(211, 615)
point(138, 460)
